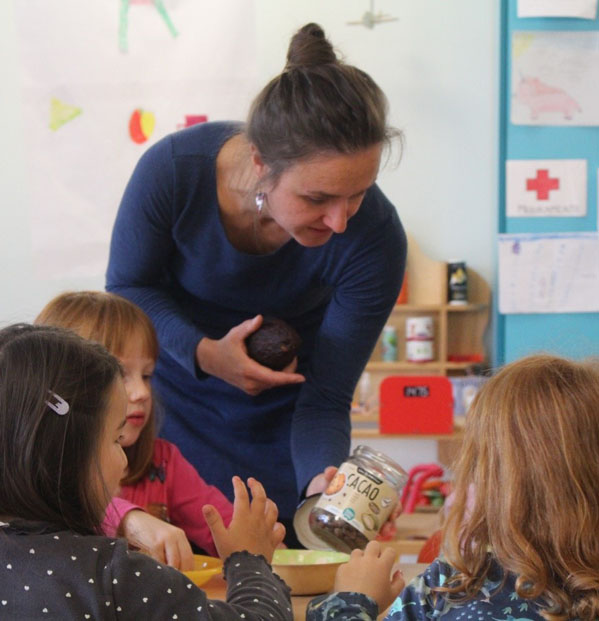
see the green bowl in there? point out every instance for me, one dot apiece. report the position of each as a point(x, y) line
point(308, 572)
point(308, 557)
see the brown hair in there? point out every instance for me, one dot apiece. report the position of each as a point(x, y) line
point(530, 452)
point(111, 320)
point(317, 104)
point(47, 459)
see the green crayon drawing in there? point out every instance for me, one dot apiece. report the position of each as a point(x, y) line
point(61, 113)
point(124, 20)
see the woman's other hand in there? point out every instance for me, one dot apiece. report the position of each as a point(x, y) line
point(228, 360)
point(369, 571)
point(321, 481)
point(161, 540)
point(254, 525)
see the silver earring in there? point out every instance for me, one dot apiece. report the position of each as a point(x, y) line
point(260, 198)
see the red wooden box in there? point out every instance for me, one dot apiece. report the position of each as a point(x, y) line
point(416, 404)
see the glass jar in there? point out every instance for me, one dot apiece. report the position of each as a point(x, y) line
point(358, 500)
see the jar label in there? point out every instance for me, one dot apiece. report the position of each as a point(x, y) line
point(419, 351)
point(419, 328)
point(360, 498)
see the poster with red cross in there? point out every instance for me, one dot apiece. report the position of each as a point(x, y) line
point(546, 188)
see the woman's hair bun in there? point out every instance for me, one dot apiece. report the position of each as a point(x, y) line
point(309, 47)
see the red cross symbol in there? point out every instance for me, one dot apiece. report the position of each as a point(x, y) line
point(542, 184)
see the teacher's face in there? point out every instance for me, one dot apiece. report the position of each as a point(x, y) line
point(314, 198)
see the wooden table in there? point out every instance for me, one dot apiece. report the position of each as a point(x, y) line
point(216, 588)
point(413, 530)
point(417, 525)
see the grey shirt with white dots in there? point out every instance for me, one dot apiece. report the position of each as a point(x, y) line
point(50, 574)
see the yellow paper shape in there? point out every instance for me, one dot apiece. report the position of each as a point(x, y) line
point(147, 122)
point(61, 113)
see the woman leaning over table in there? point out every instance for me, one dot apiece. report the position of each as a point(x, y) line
point(223, 223)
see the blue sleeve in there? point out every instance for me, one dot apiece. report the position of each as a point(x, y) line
point(366, 290)
point(418, 601)
point(140, 249)
point(142, 588)
point(342, 606)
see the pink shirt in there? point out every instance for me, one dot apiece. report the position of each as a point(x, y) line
point(175, 484)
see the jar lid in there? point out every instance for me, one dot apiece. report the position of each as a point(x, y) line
point(301, 524)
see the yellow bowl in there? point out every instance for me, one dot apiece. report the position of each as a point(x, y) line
point(308, 572)
point(204, 568)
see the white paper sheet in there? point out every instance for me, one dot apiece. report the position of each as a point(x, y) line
point(555, 78)
point(586, 9)
point(549, 273)
point(546, 188)
point(86, 68)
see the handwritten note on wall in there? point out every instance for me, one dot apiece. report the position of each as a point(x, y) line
point(549, 273)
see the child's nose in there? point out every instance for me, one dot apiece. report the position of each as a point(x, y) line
point(138, 389)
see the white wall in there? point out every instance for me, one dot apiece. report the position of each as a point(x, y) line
point(438, 65)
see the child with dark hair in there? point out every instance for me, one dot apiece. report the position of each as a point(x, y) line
point(525, 545)
point(62, 415)
point(158, 479)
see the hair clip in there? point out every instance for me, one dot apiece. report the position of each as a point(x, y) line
point(260, 198)
point(58, 404)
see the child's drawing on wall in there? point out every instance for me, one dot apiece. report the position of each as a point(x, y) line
point(555, 78)
point(543, 99)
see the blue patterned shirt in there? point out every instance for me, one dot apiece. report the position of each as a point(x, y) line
point(419, 601)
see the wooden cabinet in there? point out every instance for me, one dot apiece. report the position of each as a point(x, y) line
point(459, 330)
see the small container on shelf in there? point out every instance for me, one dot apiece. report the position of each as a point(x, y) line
point(419, 351)
point(464, 390)
point(419, 328)
point(403, 293)
point(457, 282)
point(365, 388)
point(419, 339)
point(389, 343)
point(366, 400)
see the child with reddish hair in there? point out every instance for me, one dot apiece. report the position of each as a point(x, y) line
point(158, 480)
point(521, 538)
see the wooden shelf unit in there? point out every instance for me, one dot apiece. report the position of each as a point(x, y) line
point(458, 330)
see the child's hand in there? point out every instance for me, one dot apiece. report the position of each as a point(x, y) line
point(162, 541)
point(254, 525)
point(368, 571)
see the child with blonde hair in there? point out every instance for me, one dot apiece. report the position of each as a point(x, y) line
point(158, 479)
point(525, 545)
point(62, 416)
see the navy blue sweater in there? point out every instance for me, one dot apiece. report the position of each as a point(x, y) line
point(170, 255)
